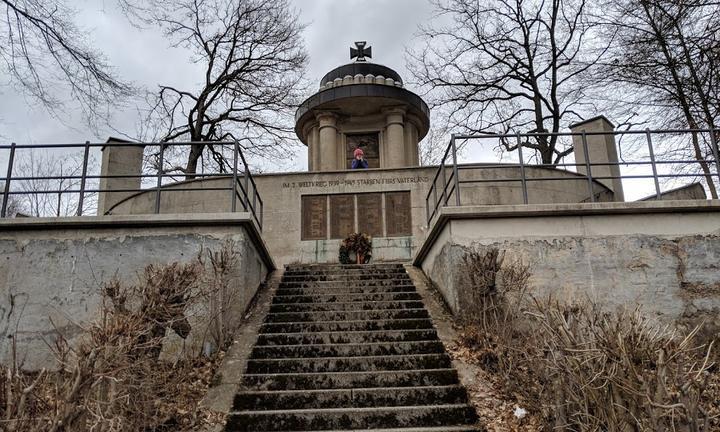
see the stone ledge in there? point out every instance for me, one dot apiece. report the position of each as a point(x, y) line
point(140, 221)
point(567, 209)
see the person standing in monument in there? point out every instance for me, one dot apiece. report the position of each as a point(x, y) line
point(359, 162)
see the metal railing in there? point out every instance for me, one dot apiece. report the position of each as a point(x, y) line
point(241, 185)
point(449, 179)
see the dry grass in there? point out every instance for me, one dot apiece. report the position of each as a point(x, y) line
point(580, 368)
point(114, 378)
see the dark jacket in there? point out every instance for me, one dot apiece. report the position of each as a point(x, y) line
point(359, 164)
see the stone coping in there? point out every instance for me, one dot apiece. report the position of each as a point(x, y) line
point(109, 222)
point(447, 214)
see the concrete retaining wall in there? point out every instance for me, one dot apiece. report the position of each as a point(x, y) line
point(663, 255)
point(52, 269)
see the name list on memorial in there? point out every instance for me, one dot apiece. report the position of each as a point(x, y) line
point(379, 214)
point(314, 217)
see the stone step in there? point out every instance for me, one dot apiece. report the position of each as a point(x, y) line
point(346, 298)
point(366, 271)
point(350, 398)
point(347, 326)
point(340, 315)
point(347, 306)
point(347, 350)
point(352, 418)
point(342, 337)
point(346, 278)
point(342, 267)
point(349, 364)
point(350, 380)
point(421, 429)
point(338, 288)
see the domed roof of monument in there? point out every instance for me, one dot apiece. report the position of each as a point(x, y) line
point(360, 68)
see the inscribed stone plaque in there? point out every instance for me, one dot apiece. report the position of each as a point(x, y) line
point(397, 214)
point(370, 214)
point(342, 216)
point(314, 217)
point(369, 143)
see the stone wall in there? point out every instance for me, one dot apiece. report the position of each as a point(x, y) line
point(282, 196)
point(664, 256)
point(52, 271)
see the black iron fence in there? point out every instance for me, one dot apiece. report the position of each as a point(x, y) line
point(652, 156)
point(155, 176)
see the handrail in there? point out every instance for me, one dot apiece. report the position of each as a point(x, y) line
point(240, 175)
point(438, 194)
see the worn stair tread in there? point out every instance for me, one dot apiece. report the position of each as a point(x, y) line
point(261, 400)
point(356, 418)
point(349, 380)
point(420, 346)
point(344, 315)
point(350, 363)
point(299, 299)
point(344, 325)
point(352, 409)
point(346, 306)
point(417, 429)
point(360, 336)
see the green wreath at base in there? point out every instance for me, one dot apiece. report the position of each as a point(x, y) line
point(359, 243)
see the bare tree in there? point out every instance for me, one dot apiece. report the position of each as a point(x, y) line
point(508, 66)
point(14, 206)
point(252, 61)
point(48, 181)
point(667, 63)
point(45, 54)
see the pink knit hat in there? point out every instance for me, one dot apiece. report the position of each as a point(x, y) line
point(358, 152)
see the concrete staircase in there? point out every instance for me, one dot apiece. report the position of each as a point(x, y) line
point(349, 348)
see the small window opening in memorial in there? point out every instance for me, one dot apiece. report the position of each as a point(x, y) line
point(369, 143)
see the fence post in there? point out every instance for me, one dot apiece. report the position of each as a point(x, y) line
point(444, 197)
point(652, 162)
point(588, 167)
point(246, 193)
point(83, 178)
point(523, 180)
point(427, 208)
point(714, 145)
point(6, 192)
point(159, 177)
point(233, 189)
point(455, 170)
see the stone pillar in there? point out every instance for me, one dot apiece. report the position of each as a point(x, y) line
point(411, 144)
point(328, 142)
point(395, 138)
point(315, 136)
point(119, 157)
point(601, 149)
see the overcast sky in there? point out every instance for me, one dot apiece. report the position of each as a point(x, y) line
point(145, 58)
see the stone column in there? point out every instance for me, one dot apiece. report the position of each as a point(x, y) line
point(395, 138)
point(315, 136)
point(119, 158)
point(601, 149)
point(327, 150)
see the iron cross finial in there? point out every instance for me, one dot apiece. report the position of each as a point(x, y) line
point(360, 52)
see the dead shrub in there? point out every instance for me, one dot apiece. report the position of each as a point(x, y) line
point(582, 368)
point(113, 379)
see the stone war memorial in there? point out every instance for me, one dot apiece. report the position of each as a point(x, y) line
point(361, 345)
